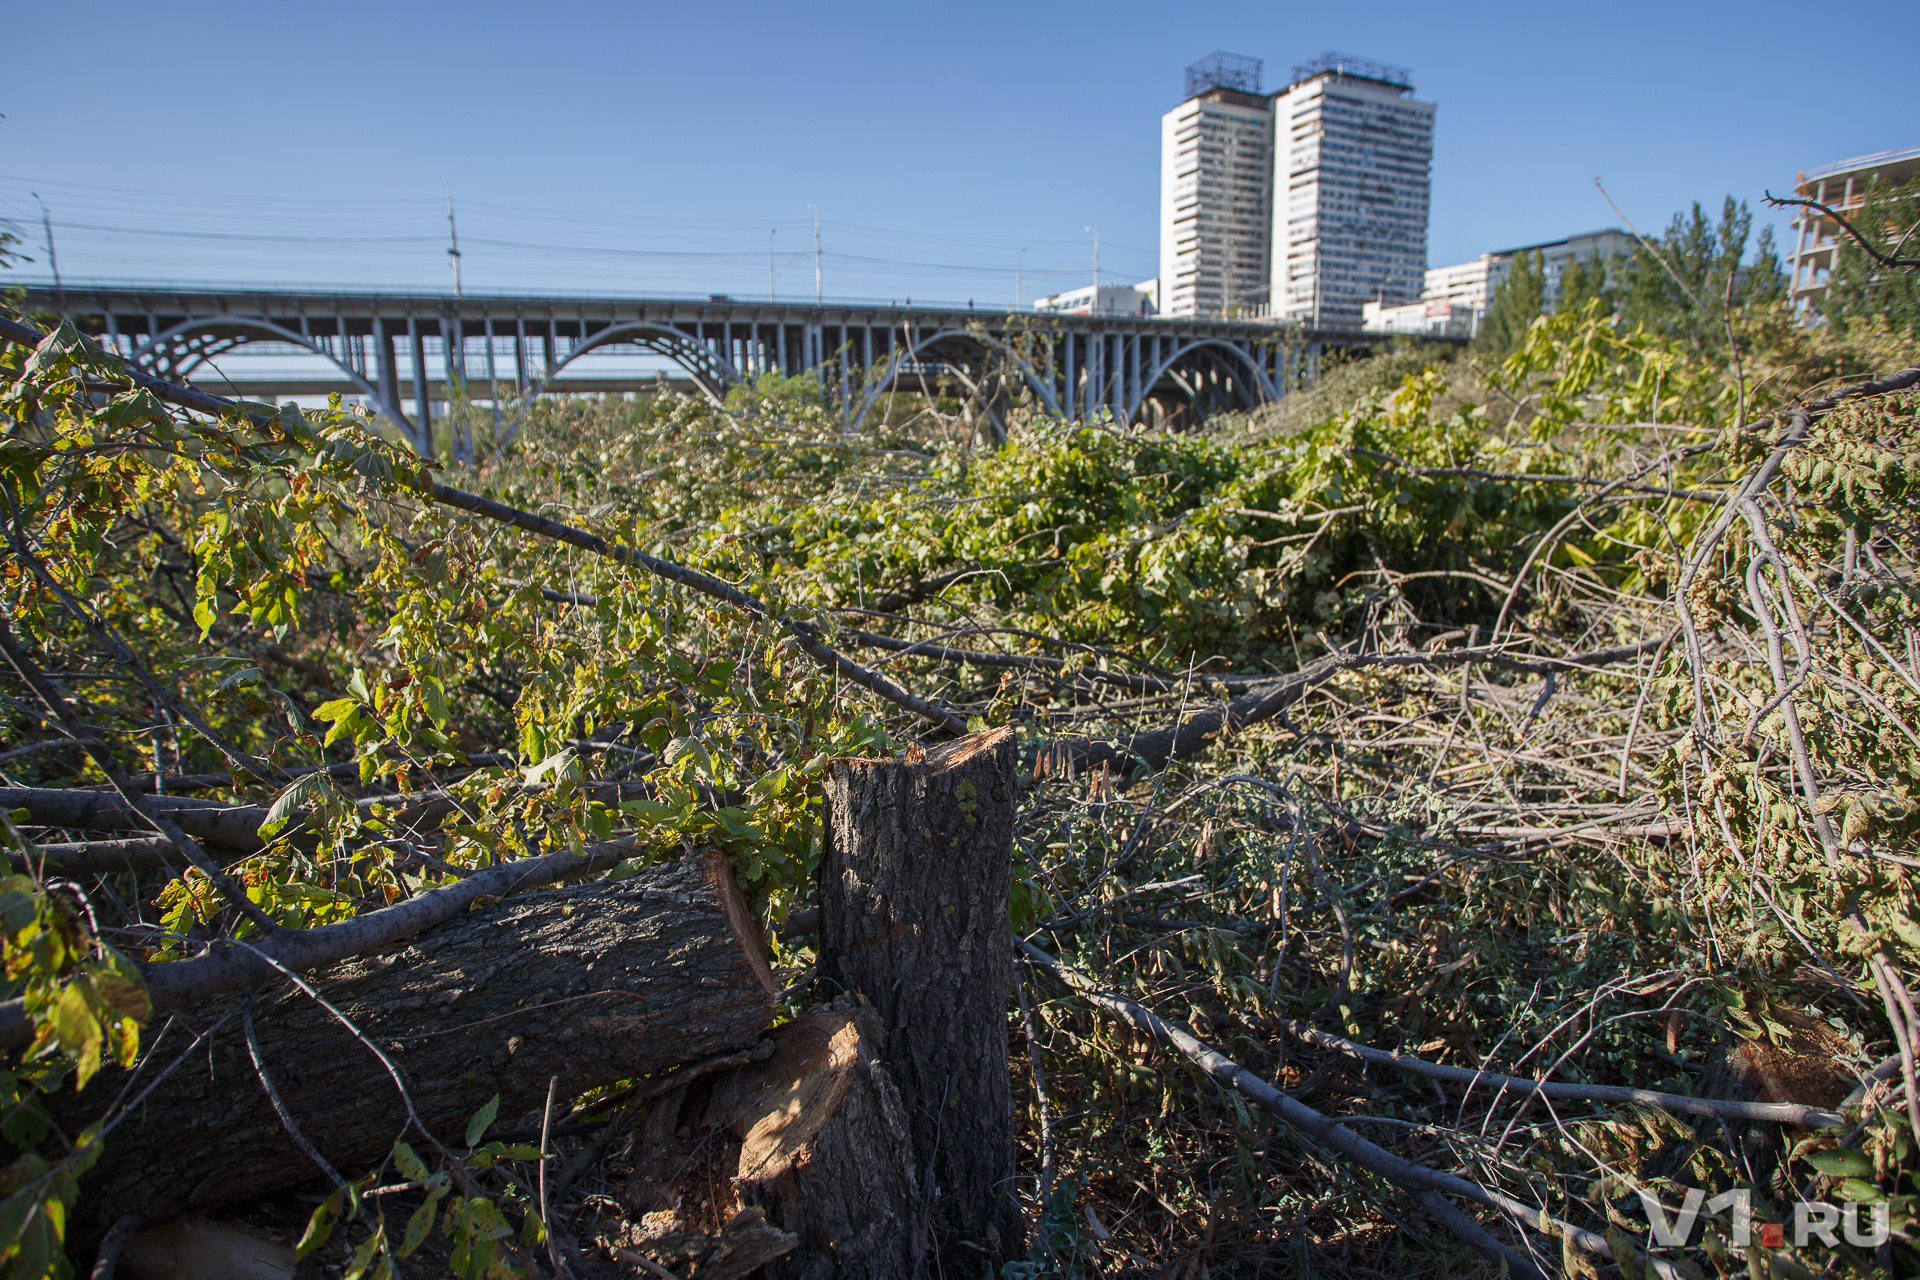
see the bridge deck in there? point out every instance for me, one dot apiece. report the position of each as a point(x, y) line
point(1073, 366)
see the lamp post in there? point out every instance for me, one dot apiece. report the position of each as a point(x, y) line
point(1095, 308)
point(818, 296)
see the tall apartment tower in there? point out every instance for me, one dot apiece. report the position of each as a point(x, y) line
point(1353, 178)
point(1216, 181)
point(1304, 204)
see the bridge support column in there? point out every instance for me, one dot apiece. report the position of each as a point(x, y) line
point(1071, 400)
point(389, 384)
point(422, 393)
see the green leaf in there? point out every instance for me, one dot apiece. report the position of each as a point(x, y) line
point(319, 1225)
point(370, 1248)
point(482, 1121)
point(411, 1166)
point(17, 911)
point(312, 789)
point(78, 1031)
point(1839, 1162)
point(420, 1225)
point(338, 709)
point(436, 700)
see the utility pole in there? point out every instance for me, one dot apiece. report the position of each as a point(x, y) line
point(818, 297)
point(453, 242)
point(1095, 308)
point(770, 236)
point(53, 259)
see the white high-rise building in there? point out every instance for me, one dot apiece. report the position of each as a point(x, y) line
point(1216, 174)
point(1302, 204)
point(1353, 164)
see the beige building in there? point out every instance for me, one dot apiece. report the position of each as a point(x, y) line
point(1606, 246)
point(1301, 205)
point(1216, 175)
point(1841, 187)
point(1454, 300)
point(1353, 163)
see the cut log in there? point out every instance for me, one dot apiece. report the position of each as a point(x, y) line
point(913, 916)
point(592, 984)
point(825, 1150)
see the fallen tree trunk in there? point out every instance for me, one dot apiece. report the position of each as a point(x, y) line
point(913, 916)
point(225, 966)
point(592, 984)
point(231, 826)
point(101, 857)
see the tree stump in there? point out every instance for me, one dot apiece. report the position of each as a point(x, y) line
point(592, 984)
point(913, 916)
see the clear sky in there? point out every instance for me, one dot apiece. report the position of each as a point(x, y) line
point(644, 148)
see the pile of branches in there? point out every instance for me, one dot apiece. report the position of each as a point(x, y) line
point(1399, 769)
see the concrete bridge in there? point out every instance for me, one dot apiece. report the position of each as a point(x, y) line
point(385, 347)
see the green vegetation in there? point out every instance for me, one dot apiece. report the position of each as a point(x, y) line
point(1681, 285)
point(1863, 292)
point(1608, 770)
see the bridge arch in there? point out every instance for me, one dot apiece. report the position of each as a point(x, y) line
point(710, 371)
point(1215, 349)
point(175, 352)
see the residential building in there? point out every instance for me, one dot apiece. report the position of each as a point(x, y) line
point(1462, 285)
point(1353, 162)
point(1106, 300)
point(1432, 319)
point(1216, 171)
point(1607, 247)
point(1452, 303)
point(1302, 205)
point(1843, 188)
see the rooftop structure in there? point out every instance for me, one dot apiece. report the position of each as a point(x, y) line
point(1345, 64)
point(1224, 71)
point(1841, 186)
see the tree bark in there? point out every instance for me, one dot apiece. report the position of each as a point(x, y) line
point(826, 1152)
point(592, 984)
point(913, 916)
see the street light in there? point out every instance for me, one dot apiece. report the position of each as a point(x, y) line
point(1096, 269)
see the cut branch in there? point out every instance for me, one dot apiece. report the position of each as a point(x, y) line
point(1835, 216)
point(1773, 1112)
point(1153, 749)
point(1425, 1183)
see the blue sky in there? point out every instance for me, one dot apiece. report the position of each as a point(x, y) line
point(646, 148)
